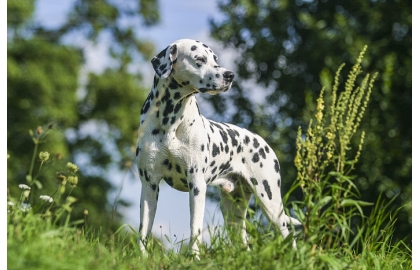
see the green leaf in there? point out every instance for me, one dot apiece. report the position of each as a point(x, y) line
point(322, 202)
point(38, 184)
point(356, 203)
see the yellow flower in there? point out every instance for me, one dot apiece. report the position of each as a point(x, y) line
point(44, 156)
point(73, 180)
point(72, 167)
point(330, 136)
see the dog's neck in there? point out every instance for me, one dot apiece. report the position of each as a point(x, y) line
point(169, 104)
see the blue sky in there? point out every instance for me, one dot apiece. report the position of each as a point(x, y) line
point(179, 19)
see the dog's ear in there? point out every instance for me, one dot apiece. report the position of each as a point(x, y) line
point(163, 62)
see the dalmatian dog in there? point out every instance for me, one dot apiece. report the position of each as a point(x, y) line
point(179, 145)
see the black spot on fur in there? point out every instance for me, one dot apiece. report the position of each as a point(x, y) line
point(278, 182)
point(178, 168)
point(233, 135)
point(184, 181)
point(246, 140)
point(196, 191)
point(169, 181)
point(137, 151)
point(155, 131)
point(174, 84)
point(193, 48)
point(243, 160)
point(155, 81)
point(153, 187)
point(255, 158)
point(227, 149)
point(146, 176)
point(267, 189)
point(224, 135)
point(146, 107)
point(267, 149)
point(202, 147)
point(177, 107)
point(216, 150)
point(262, 153)
point(165, 120)
point(276, 165)
point(256, 144)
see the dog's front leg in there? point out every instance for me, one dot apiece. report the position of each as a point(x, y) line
point(197, 206)
point(148, 205)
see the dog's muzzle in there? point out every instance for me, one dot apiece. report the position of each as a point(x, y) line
point(228, 76)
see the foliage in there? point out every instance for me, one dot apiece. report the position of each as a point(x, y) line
point(285, 46)
point(93, 114)
point(331, 199)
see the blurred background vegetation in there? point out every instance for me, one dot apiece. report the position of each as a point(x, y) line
point(289, 49)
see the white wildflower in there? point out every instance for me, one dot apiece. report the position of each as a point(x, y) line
point(23, 186)
point(46, 198)
point(25, 207)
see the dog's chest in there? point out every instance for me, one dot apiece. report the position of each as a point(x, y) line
point(172, 154)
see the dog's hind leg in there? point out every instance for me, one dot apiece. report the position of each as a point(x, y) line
point(272, 206)
point(234, 206)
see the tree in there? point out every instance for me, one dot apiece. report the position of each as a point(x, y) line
point(89, 123)
point(291, 48)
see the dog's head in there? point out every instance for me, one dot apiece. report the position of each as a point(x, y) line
point(193, 62)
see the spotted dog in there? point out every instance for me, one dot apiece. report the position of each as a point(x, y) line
point(179, 145)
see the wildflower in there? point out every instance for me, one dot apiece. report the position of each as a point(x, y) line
point(330, 136)
point(11, 203)
point(23, 186)
point(61, 176)
point(46, 198)
point(39, 130)
point(86, 212)
point(72, 167)
point(44, 156)
point(319, 116)
point(25, 207)
point(73, 180)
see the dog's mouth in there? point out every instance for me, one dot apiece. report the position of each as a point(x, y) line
point(214, 90)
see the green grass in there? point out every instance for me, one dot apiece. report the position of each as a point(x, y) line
point(33, 243)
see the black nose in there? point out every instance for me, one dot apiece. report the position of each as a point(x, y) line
point(228, 76)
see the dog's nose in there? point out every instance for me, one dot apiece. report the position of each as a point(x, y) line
point(228, 76)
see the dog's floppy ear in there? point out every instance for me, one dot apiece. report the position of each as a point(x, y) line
point(162, 63)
